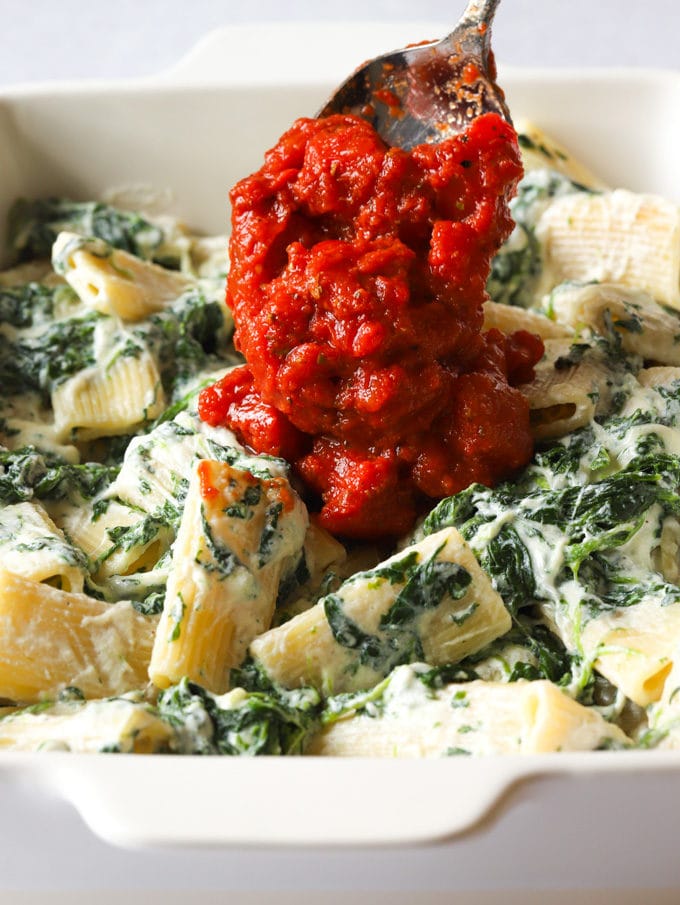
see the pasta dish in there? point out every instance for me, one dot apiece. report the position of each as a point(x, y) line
point(163, 588)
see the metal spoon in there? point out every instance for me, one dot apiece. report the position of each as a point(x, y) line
point(428, 92)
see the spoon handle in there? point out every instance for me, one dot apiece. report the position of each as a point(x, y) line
point(473, 31)
point(479, 11)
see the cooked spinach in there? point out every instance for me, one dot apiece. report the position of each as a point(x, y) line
point(572, 525)
point(554, 660)
point(225, 559)
point(180, 405)
point(260, 466)
point(578, 527)
point(546, 658)
point(34, 225)
point(40, 363)
point(507, 559)
point(425, 585)
point(270, 532)
point(515, 268)
point(28, 304)
point(27, 474)
point(151, 605)
point(380, 653)
point(68, 554)
point(185, 338)
point(127, 537)
point(273, 723)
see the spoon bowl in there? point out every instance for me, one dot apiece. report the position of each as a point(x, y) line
point(427, 92)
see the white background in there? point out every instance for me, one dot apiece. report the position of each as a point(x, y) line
point(48, 39)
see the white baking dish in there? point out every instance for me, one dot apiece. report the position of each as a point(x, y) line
point(194, 131)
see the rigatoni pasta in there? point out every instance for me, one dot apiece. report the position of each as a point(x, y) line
point(568, 389)
point(235, 536)
point(114, 399)
point(431, 601)
point(123, 725)
point(32, 546)
point(51, 640)
point(164, 589)
point(113, 281)
point(614, 237)
point(411, 719)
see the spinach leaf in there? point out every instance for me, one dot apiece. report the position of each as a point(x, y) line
point(516, 268)
point(270, 530)
point(127, 537)
point(185, 338)
point(34, 225)
point(26, 305)
point(554, 661)
point(39, 363)
point(425, 589)
point(275, 723)
point(372, 650)
point(425, 585)
point(151, 605)
point(27, 474)
point(507, 559)
point(225, 559)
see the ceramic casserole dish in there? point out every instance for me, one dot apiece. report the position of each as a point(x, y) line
point(191, 133)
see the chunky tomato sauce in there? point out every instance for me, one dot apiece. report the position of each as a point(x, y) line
point(357, 280)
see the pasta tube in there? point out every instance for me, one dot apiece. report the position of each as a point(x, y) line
point(31, 545)
point(615, 237)
point(413, 719)
point(113, 281)
point(635, 647)
point(645, 328)
point(115, 399)
point(431, 601)
point(541, 151)
point(508, 318)
point(565, 394)
point(236, 533)
point(118, 724)
point(52, 639)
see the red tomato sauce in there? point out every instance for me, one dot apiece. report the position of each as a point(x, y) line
point(357, 281)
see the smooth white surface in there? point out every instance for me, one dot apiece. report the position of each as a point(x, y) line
point(609, 830)
point(97, 38)
point(604, 832)
point(158, 801)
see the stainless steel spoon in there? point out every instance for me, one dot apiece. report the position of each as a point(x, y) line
point(428, 92)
